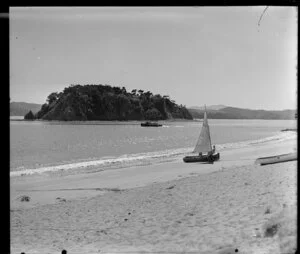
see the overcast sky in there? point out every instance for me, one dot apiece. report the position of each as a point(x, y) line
point(202, 55)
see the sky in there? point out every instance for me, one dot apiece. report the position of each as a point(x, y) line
point(196, 55)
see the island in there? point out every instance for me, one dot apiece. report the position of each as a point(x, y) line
point(105, 102)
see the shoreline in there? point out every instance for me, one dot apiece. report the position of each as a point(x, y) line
point(135, 176)
point(172, 206)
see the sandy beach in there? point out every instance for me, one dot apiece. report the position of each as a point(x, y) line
point(230, 206)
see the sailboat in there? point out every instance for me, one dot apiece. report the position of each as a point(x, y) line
point(203, 147)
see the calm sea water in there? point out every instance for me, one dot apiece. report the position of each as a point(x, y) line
point(50, 146)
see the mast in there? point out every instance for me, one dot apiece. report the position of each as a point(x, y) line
point(208, 130)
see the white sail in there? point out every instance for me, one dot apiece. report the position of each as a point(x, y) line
point(204, 143)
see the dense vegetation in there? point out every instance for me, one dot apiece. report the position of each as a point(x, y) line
point(239, 113)
point(104, 102)
point(29, 116)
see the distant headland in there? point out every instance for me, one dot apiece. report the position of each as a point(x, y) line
point(225, 112)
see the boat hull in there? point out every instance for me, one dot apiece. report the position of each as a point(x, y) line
point(277, 159)
point(203, 158)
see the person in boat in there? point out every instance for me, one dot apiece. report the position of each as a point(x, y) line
point(210, 156)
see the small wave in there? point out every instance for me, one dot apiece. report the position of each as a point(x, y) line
point(126, 159)
point(277, 138)
point(149, 157)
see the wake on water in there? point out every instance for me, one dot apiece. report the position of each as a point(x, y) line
point(128, 160)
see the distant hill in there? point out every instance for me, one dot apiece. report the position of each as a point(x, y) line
point(104, 102)
point(240, 113)
point(22, 108)
point(212, 107)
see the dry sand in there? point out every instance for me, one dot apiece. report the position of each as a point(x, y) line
point(232, 206)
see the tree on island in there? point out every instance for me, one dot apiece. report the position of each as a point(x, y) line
point(29, 116)
point(52, 97)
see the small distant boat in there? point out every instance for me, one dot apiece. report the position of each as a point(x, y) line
point(203, 146)
point(277, 159)
point(150, 124)
point(289, 130)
